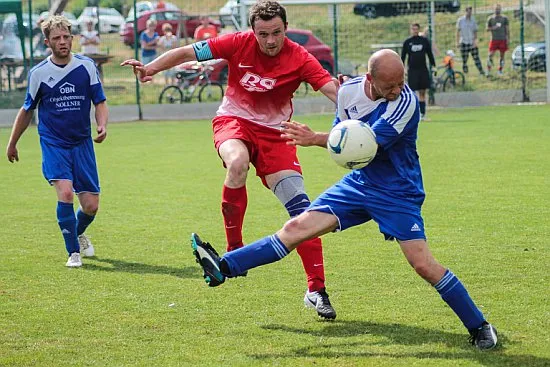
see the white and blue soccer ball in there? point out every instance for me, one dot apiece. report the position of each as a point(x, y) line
point(352, 144)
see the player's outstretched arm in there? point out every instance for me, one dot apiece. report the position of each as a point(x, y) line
point(21, 123)
point(301, 134)
point(330, 89)
point(101, 118)
point(164, 62)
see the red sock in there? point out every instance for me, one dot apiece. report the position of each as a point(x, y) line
point(233, 208)
point(311, 253)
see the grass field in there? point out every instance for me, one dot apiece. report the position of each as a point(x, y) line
point(142, 301)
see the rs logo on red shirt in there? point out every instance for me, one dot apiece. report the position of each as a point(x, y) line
point(255, 83)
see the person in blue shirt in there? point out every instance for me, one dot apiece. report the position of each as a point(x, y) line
point(149, 42)
point(64, 86)
point(389, 191)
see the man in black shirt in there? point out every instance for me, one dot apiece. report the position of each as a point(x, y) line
point(417, 47)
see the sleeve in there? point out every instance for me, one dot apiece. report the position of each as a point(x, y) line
point(224, 46)
point(430, 53)
point(341, 113)
point(458, 24)
point(404, 51)
point(97, 93)
point(33, 95)
point(398, 115)
point(313, 73)
point(142, 37)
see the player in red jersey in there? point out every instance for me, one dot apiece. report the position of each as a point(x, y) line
point(265, 69)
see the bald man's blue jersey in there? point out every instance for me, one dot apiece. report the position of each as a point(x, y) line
point(64, 95)
point(395, 172)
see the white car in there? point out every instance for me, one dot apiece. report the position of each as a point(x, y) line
point(229, 13)
point(110, 19)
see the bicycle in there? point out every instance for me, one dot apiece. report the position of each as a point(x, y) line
point(447, 79)
point(190, 80)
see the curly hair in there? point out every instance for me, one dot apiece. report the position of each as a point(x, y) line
point(266, 10)
point(55, 21)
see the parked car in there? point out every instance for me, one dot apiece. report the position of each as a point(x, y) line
point(75, 26)
point(175, 18)
point(373, 10)
point(10, 23)
point(304, 37)
point(534, 55)
point(110, 19)
point(143, 6)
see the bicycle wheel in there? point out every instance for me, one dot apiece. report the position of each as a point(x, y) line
point(211, 92)
point(171, 94)
point(454, 82)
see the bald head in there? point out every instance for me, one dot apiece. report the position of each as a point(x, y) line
point(386, 75)
point(385, 62)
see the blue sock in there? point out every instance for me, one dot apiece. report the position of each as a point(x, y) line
point(83, 220)
point(453, 292)
point(67, 224)
point(265, 251)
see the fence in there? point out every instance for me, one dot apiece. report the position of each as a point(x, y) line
point(353, 31)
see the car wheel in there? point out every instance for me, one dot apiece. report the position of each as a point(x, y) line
point(369, 12)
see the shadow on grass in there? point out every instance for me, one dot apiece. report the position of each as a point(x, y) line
point(397, 334)
point(139, 268)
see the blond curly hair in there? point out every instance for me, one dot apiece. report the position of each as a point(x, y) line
point(54, 21)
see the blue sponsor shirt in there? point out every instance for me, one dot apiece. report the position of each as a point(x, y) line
point(395, 172)
point(64, 95)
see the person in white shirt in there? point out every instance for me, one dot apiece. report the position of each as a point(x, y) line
point(466, 40)
point(89, 40)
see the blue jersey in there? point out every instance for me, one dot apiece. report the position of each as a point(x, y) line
point(395, 173)
point(64, 96)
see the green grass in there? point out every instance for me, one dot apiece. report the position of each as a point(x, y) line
point(142, 300)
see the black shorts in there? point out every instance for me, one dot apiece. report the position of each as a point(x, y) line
point(419, 79)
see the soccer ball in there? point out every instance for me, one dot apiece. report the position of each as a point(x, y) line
point(352, 144)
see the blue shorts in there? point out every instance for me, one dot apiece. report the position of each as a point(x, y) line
point(76, 164)
point(353, 203)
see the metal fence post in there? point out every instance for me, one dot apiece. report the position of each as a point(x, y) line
point(136, 56)
point(524, 96)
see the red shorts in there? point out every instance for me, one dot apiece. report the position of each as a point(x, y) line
point(269, 153)
point(498, 45)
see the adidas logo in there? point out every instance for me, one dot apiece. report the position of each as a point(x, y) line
point(51, 79)
point(353, 109)
point(65, 231)
point(415, 228)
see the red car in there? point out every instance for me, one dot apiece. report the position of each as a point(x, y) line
point(303, 37)
point(162, 16)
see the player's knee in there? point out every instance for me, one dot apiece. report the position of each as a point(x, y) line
point(90, 208)
point(426, 268)
point(237, 166)
point(65, 195)
point(291, 192)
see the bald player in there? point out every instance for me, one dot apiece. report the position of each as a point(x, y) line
point(389, 191)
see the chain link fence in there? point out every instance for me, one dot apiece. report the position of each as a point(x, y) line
point(342, 36)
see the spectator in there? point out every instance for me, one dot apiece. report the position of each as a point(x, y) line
point(499, 27)
point(161, 5)
point(149, 42)
point(39, 44)
point(466, 40)
point(205, 30)
point(417, 47)
point(89, 40)
point(167, 42)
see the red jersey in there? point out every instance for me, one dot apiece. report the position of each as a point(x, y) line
point(260, 87)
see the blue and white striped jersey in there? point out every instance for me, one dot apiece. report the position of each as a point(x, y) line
point(64, 95)
point(395, 171)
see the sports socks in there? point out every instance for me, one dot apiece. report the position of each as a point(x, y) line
point(265, 251)
point(67, 223)
point(453, 292)
point(422, 107)
point(311, 254)
point(234, 202)
point(83, 220)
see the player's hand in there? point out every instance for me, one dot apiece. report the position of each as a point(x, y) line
point(343, 78)
point(101, 134)
point(298, 134)
point(12, 154)
point(139, 70)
